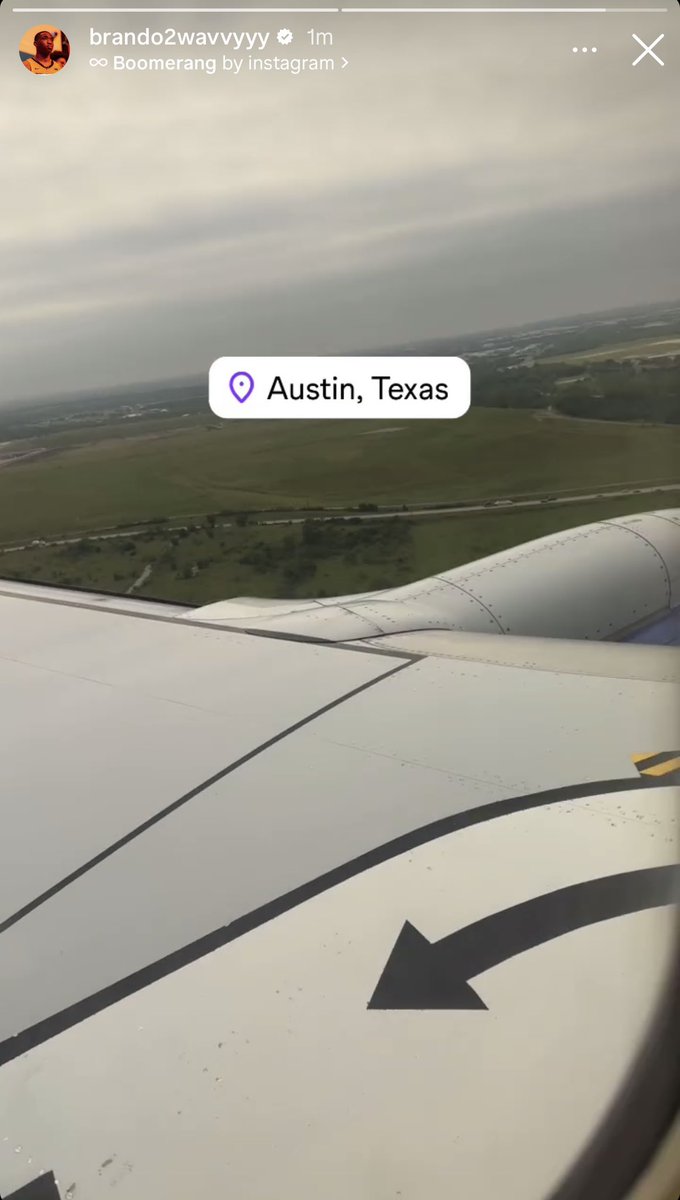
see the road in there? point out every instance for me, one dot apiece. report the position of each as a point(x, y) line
point(382, 514)
point(487, 506)
point(140, 580)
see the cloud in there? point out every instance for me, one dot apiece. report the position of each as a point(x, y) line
point(458, 176)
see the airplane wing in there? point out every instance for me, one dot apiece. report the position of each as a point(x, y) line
point(369, 897)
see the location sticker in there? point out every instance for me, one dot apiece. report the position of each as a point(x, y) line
point(376, 388)
point(241, 385)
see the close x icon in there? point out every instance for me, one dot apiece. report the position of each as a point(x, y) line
point(648, 50)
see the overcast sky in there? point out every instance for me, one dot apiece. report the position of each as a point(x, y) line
point(461, 174)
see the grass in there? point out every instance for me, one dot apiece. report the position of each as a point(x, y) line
point(292, 560)
point(255, 465)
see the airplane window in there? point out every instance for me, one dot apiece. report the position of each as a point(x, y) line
point(340, 600)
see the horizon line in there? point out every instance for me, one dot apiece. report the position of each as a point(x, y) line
point(385, 350)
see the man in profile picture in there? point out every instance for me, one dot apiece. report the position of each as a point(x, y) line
point(42, 63)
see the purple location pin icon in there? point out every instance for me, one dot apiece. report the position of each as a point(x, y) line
point(241, 384)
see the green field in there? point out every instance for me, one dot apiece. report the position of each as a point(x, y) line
point(207, 468)
point(316, 559)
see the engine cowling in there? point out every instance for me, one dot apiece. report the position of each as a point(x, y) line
point(595, 582)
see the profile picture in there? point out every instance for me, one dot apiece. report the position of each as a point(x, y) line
point(44, 50)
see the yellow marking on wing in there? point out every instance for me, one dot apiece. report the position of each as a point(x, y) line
point(665, 768)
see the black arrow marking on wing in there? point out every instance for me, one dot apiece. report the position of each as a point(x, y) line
point(50, 1026)
point(427, 975)
point(43, 1187)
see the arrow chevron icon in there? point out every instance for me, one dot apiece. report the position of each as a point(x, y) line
point(43, 1187)
point(426, 975)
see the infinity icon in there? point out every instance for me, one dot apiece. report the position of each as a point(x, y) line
point(99, 62)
